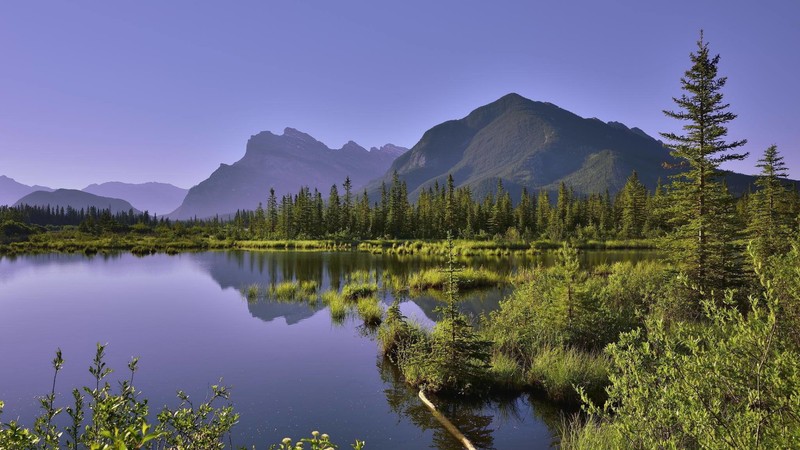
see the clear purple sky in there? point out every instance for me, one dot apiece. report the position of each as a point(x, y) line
point(153, 90)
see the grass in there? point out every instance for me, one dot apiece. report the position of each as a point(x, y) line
point(592, 434)
point(557, 370)
point(468, 278)
point(357, 290)
point(506, 373)
point(251, 292)
point(337, 305)
point(294, 290)
point(370, 311)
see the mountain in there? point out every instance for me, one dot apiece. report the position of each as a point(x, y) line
point(536, 145)
point(76, 199)
point(158, 198)
point(11, 190)
point(283, 162)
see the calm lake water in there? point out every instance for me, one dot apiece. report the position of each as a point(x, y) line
point(290, 368)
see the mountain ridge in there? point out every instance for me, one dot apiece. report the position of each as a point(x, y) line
point(273, 161)
point(154, 197)
point(11, 190)
point(535, 145)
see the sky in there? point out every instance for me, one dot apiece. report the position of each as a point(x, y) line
point(95, 91)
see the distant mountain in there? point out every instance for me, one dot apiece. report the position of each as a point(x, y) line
point(76, 199)
point(11, 190)
point(283, 162)
point(158, 198)
point(536, 145)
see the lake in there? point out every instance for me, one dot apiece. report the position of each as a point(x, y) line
point(291, 369)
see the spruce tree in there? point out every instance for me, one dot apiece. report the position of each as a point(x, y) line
point(771, 215)
point(701, 243)
point(633, 203)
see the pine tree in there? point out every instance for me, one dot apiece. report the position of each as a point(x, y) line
point(633, 202)
point(334, 212)
point(700, 244)
point(770, 208)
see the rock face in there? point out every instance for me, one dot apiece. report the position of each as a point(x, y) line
point(11, 190)
point(76, 199)
point(158, 198)
point(536, 145)
point(285, 163)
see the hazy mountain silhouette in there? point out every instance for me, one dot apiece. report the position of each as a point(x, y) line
point(76, 199)
point(536, 145)
point(283, 162)
point(158, 198)
point(12, 190)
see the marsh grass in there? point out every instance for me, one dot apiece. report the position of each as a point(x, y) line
point(370, 311)
point(337, 305)
point(590, 434)
point(468, 278)
point(251, 292)
point(558, 371)
point(506, 373)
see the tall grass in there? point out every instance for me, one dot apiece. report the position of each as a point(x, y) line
point(506, 373)
point(336, 304)
point(294, 290)
point(558, 371)
point(370, 311)
point(592, 434)
point(468, 278)
point(360, 284)
point(251, 292)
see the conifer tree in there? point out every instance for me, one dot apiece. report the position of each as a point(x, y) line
point(633, 202)
point(771, 215)
point(700, 244)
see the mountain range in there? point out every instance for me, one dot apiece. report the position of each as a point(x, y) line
point(11, 190)
point(521, 142)
point(283, 163)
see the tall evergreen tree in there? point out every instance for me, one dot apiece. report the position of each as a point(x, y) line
point(699, 244)
point(771, 214)
point(633, 202)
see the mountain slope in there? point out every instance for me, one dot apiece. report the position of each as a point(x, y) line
point(283, 162)
point(536, 145)
point(11, 190)
point(76, 199)
point(158, 198)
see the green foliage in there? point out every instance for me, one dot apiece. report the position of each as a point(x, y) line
point(453, 358)
point(556, 321)
point(732, 383)
point(317, 441)
point(120, 420)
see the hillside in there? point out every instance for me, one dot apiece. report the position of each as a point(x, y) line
point(536, 145)
point(76, 199)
